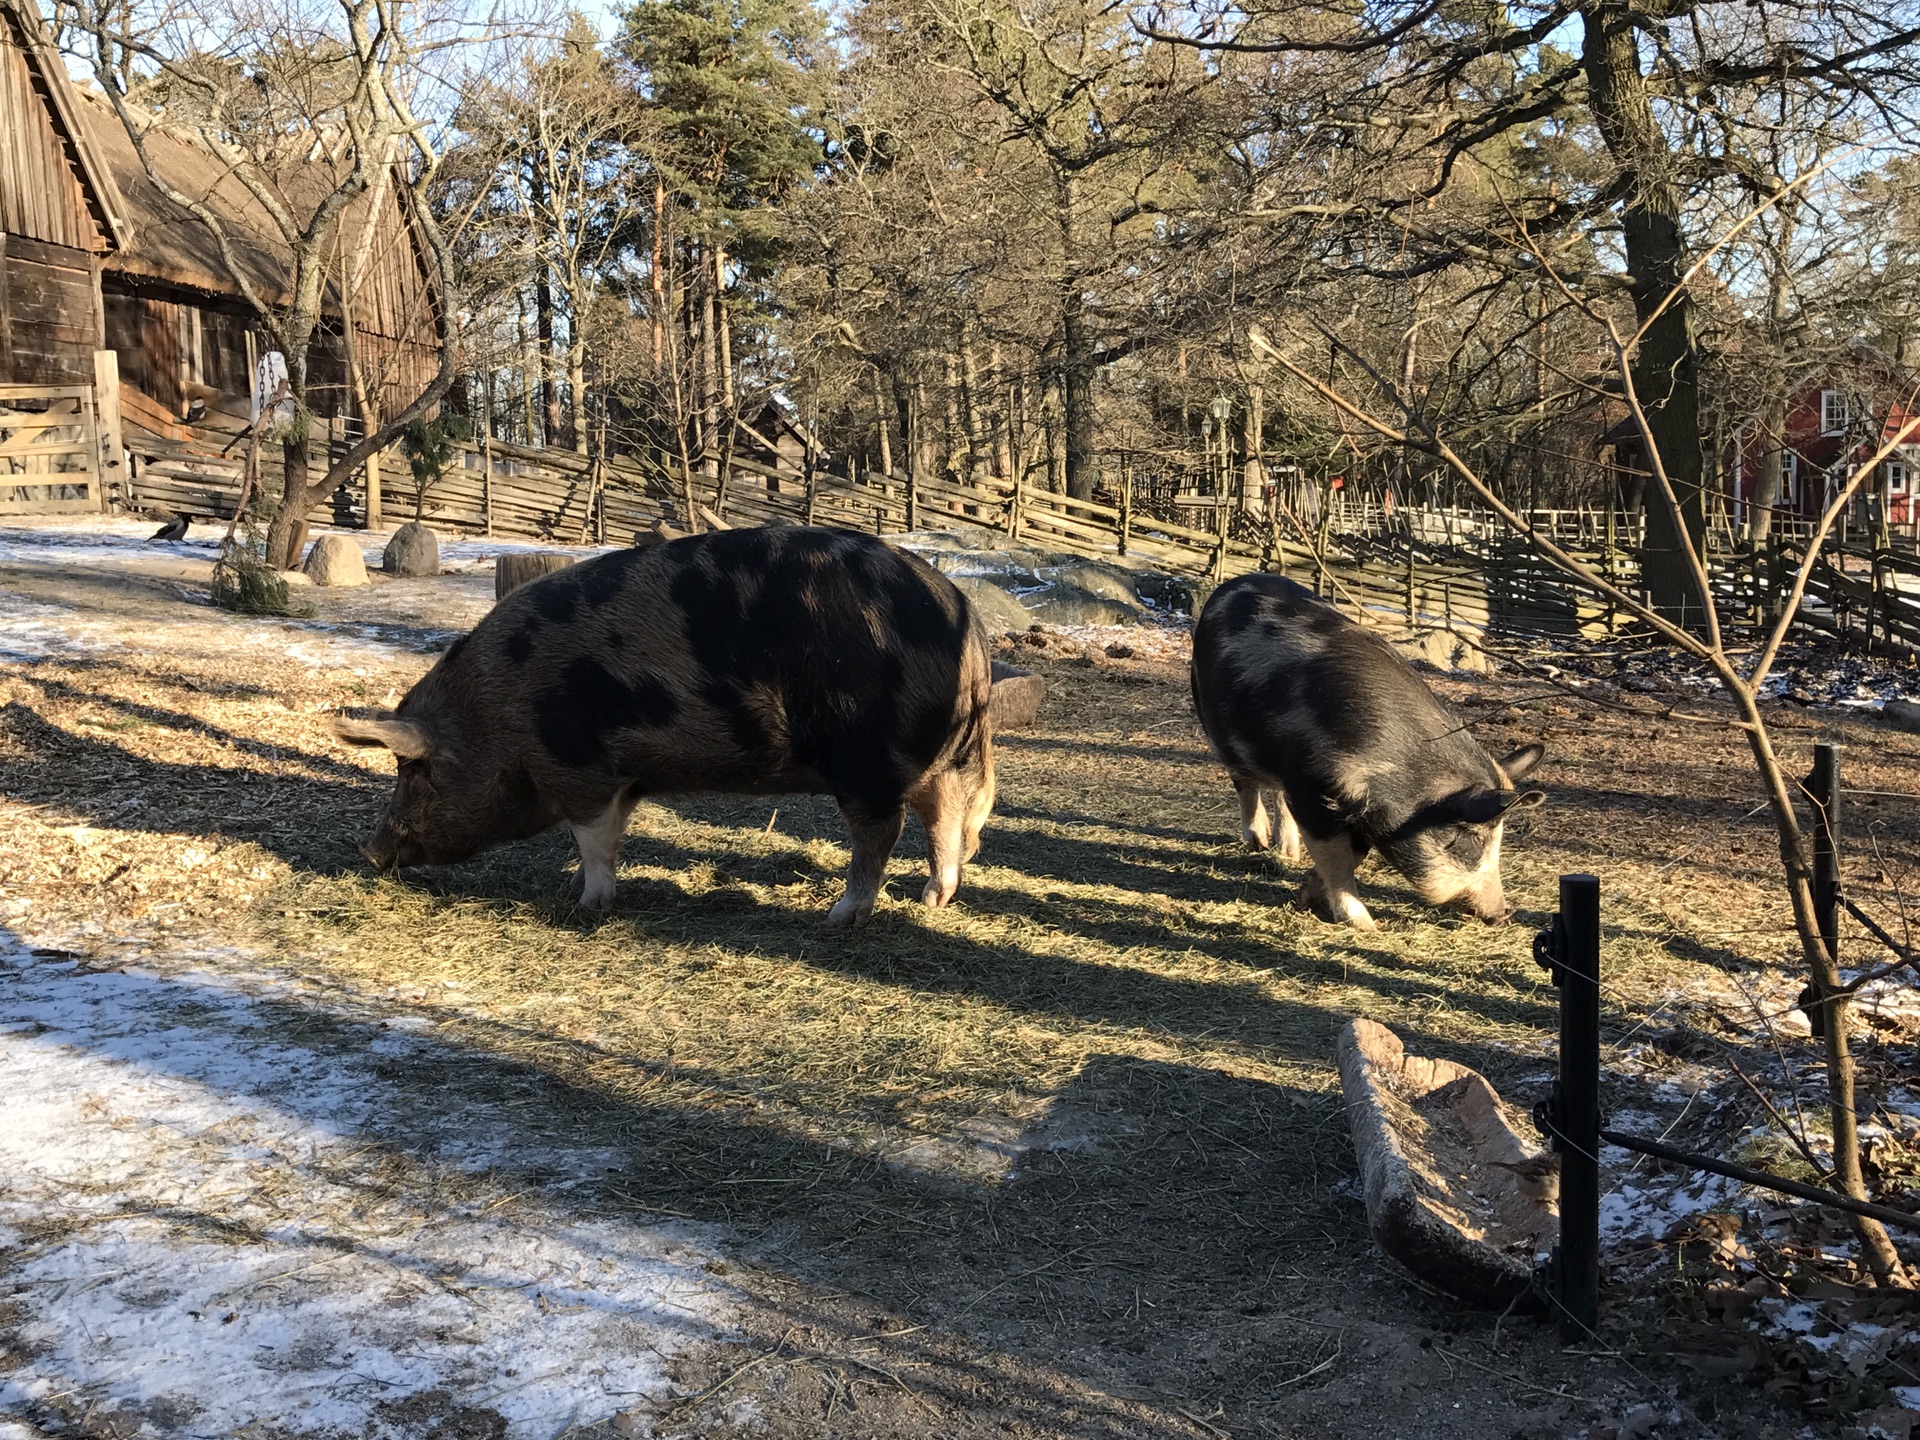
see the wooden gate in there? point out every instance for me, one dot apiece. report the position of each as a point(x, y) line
point(49, 451)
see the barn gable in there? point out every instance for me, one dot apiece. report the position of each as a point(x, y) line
point(59, 212)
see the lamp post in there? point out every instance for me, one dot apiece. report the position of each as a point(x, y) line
point(1221, 409)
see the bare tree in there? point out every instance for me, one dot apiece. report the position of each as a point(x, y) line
point(310, 112)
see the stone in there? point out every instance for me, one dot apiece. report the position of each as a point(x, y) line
point(1064, 603)
point(1016, 697)
point(335, 561)
point(523, 567)
point(1442, 649)
point(993, 607)
point(1434, 1145)
point(1902, 715)
point(413, 550)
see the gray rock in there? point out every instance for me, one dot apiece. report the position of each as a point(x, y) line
point(1066, 604)
point(995, 608)
point(1108, 582)
point(1016, 697)
point(1441, 649)
point(413, 550)
point(1902, 715)
point(336, 561)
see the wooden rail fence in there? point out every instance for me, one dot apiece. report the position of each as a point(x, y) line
point(1434, 566)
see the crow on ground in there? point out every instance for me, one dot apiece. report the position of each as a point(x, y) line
point(174, 529)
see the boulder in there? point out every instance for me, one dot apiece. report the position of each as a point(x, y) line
point(335, 561)
point(1901, 714)
point(523, 567)
point(1016, 697)
point(1441, 649)
point(413, 550)
point(993, 607)
point(1108, 582)
point(1064, 603)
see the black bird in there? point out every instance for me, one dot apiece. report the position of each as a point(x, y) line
point(174, 529)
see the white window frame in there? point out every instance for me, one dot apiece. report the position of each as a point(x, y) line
point(1833, 412)
point(1899, 477)
point(1790, 478)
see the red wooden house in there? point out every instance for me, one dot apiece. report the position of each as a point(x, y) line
point(1834, 422)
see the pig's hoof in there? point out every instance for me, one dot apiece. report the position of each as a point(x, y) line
point(936, 894)
point(1254, 839)
point(849, 913)
point(596, 900)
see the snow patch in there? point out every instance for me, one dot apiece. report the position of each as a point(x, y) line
point(212, 1224)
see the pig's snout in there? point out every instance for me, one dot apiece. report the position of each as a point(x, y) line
point(384, 852)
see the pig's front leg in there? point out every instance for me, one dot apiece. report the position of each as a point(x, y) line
point(1334, 860)
point(599, 841)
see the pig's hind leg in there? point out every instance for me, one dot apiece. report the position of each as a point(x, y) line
point(1265, 820)
point(941, 804)
point(874, 834)
point(1256, 821)
point(599, 841)
point(1334, 860)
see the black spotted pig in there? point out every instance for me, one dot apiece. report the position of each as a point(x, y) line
point(776, 661)
point(1331, 738)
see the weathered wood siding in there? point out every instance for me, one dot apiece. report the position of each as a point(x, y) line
point(49, 315)
point(40, 192)
point(49, 307)
point(166, 341)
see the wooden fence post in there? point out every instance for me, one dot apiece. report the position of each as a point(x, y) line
point(1126, 506)
point(913, 497)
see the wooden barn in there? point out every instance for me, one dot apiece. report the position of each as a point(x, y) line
point(106, 284)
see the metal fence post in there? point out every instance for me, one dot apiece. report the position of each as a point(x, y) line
point(1569, 949)
point(1823, 790)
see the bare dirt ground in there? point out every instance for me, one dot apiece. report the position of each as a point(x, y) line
point(1067, 1159)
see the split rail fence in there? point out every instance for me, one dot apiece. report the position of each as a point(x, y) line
point(1427, 567)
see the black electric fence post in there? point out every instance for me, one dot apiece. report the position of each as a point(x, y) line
point(1570, 1117)
point(1823, 791)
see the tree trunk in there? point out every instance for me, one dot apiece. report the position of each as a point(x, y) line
point(543, 331)
point(657, 277)
point(577, 386)
point(1003, 432)
point(530, 369)
point(1666, 364)
point(723, 333)
point(1076, 397)
point(880, 425)
point(970, 396)
point(903, 393)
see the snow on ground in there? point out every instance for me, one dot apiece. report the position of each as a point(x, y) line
point(221, 1205)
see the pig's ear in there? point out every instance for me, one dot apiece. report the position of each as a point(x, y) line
point(404, 738)
point(1483, 807)
point(1521, 762)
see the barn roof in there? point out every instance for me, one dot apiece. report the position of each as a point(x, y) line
point(170, 244)
point(105, 202)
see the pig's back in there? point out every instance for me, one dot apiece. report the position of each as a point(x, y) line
point(746, 659)
point(1290, 689)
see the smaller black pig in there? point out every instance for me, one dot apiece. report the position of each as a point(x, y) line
point(785, 661)
point(1330, 737)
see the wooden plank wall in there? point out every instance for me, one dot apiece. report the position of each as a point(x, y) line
point(40, 195)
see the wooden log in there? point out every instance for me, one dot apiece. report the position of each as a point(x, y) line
point(510, 572)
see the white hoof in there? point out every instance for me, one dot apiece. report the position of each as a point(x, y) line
point(597, 895)
point(940, 891)
point(1256, 837)
point(848, 913)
